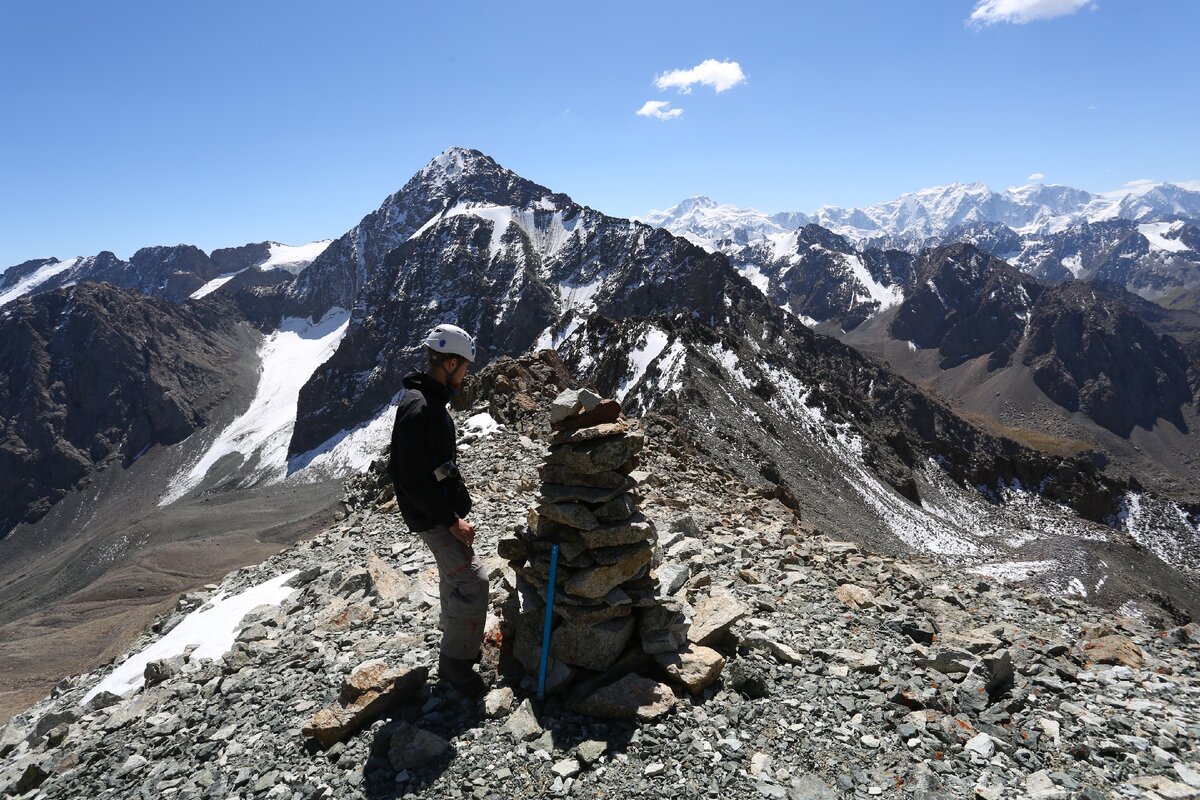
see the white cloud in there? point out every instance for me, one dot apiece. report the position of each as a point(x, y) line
point(720, 75)
point(1143, 185)
point(990, 12)
point(659, 109)
point(1140, 184)
point(1036, 176)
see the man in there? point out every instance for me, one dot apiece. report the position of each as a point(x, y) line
point(434, 500)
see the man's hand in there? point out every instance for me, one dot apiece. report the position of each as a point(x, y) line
point(463, 531)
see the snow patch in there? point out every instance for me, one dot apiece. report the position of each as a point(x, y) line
point(36, 279)
point(481, 425)
point(1155, 233)
point(886, 296)
point(753, 274)
point(214, 284)
point(293, 258)
point(670, 367)
point(651, 346)
point(578, 301)
point(1073, 264)
point(348, 452)
point(211, 628)
point(288, 357)
point(1163, 528)
point(1013, 571)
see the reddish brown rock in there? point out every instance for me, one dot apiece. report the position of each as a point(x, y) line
point(590, 434)
point(374, 688)
point(606, 411)
point(1113, 649)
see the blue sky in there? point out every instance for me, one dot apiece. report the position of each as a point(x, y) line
point(219, 123)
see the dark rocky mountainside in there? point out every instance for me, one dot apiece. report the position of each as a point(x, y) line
point(820, 275)
point(504, 257)
point(1083, 365)
point(338, 276)
point(1094, 354)
point(93, 374)
point(171, 273)
point(1155, 260)
point(1089, 351)
point(965, 304)
point(772, 370)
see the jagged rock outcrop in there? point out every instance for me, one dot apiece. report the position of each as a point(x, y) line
point(966, 304)
point(819, 275)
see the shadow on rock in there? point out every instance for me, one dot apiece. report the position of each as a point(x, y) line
point(413, 748)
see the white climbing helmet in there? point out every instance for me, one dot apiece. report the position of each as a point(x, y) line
point(453, 340)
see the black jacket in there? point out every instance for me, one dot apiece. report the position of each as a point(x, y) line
point(423, 439)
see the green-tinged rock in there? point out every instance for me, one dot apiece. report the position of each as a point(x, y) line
point(574, 515)
point(558, 475)
point(634, 530)
point(591, 646)
point(597, 582)
point(604, 455)
point(563, 493)
point(619, 508)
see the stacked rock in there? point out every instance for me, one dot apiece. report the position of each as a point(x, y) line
point(608, 612)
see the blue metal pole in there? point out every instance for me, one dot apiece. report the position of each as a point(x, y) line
point(546, 626)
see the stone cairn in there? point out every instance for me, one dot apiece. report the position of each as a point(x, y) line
point(609, 615)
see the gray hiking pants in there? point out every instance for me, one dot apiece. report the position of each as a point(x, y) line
point(464, 592)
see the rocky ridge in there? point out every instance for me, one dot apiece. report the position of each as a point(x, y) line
point(846, 673)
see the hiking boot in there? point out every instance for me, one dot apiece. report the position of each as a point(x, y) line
point(458, 673)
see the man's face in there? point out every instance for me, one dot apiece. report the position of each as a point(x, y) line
point(454, 377)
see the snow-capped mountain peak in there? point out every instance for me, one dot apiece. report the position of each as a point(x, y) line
point(706, 222)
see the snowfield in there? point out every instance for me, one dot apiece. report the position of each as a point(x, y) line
point(289, 357)
point(36, 279)
point(211, 628)
point(292, 258)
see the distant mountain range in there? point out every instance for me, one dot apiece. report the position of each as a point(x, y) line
point(930, 216)
point(993, 317)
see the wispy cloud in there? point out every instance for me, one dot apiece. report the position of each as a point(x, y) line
point(659, 109)
point(720, 75)
point(1143, 185)
point(1036, 176)
point(1019, 12)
